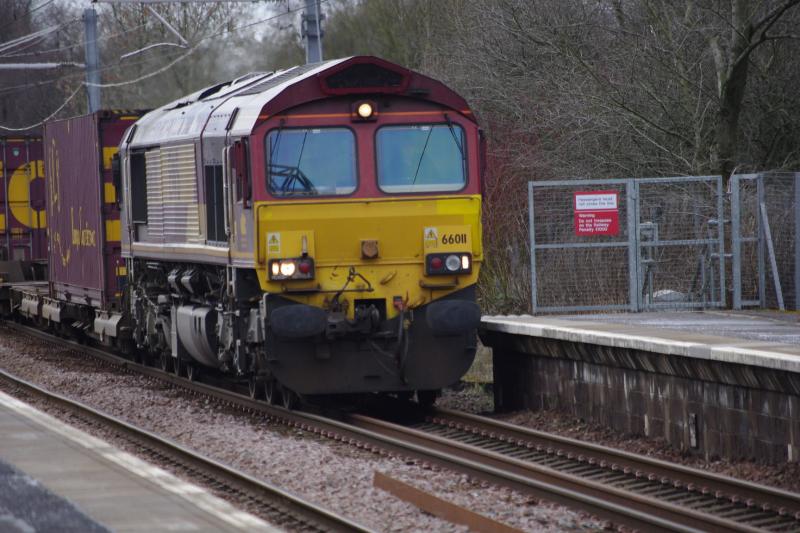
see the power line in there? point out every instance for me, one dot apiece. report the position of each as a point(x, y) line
point(17, 88)
point(82, 43)
point(283, 13)
point(19, 41)
point(30, 11)
point(192, 50)
point(141, 78)
point(154, 73)
point(54, 113)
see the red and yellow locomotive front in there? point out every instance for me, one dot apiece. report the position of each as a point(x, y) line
point(368, 236)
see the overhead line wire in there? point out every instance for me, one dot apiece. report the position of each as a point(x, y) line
point(54, 113)
point(76, 45)
point(159, 71)
point(37, 8)
point(17, 88)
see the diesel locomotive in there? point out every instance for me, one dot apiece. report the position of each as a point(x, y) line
point(313, 231)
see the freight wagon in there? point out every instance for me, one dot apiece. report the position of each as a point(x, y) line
point(86, 275)
point(23, 222)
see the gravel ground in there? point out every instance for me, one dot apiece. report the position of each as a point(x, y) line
point(333, 474)
point(475, 399)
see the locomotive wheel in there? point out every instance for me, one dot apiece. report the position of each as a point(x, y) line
point(165, 362)
point(254, 387)
point(192, 371)
point(271, 392)
point(290, 398)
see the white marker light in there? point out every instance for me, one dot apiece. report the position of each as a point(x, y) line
point(365, 110)
point(464, 262)
point(276, 268)
point(287, 268)
point(453, 263)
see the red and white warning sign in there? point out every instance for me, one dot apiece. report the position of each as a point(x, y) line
point(597, 213)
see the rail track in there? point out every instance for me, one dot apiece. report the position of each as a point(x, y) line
point(681, 495)
point(627, 489)
point(274, 505)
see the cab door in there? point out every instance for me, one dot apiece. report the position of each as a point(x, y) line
point(240, 203)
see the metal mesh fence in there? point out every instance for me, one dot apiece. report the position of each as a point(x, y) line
point(745, 239)
point(571, 271)
point(626, 244)
point(679, 240)
point(765, 234)
point(779, 203)
point(582, 278)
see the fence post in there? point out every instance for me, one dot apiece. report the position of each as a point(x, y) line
point(797, 241)
point(721, 219)
point(533, 247)
point(632, 199)
point(776, 277)
point(736, 243)
point(762, 267)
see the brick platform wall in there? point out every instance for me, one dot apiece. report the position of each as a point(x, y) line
point(706, 407)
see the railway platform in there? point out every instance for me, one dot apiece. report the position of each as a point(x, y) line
point(720, 384)
point(55, 477)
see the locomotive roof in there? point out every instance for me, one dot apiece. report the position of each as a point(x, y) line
point(235, 106)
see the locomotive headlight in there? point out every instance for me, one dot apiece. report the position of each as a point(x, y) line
point(287, 268)
point(364, 110)
point(453, 263)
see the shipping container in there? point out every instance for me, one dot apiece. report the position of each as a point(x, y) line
point(85, 265)
point(23, 222)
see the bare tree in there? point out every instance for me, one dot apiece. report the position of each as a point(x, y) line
point(747, 27)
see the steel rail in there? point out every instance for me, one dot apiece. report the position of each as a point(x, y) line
point(622, 507)
point(527, 476)
point(288, 506)
point(616, 459)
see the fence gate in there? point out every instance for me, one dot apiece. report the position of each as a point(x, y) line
point(765, 241)
point(625, 244)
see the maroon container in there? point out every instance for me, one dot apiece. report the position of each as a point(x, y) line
point(23, 221)
point(85, 264)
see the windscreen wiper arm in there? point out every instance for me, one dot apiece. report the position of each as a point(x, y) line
point(419, 163)
point(453, 133)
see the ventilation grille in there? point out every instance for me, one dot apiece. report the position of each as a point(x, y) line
point(155, 198)
point(172, 205)
point(179, 186)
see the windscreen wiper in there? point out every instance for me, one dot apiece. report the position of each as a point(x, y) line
point(453, 133)
point(277, 138)
point(419, 163)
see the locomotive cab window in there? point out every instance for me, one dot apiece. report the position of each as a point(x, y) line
point(421, 158)
point(311, 162)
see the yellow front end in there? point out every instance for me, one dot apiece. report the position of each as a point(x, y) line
point(378, 244)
